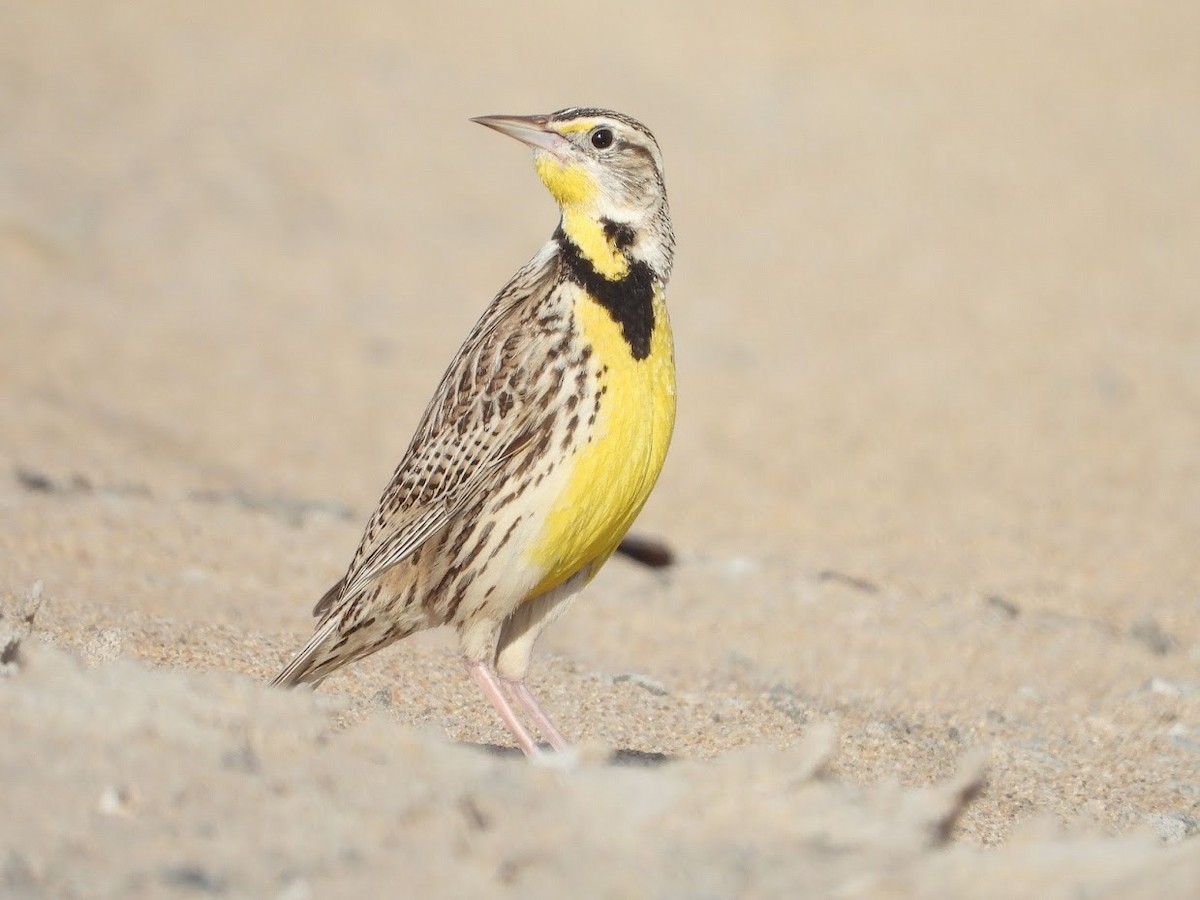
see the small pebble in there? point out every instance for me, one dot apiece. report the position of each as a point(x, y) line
point(1173, 827)
point(195, 877)
point(646, 683)
point(115, 800)
point(1150, 634)
point(1003, 606)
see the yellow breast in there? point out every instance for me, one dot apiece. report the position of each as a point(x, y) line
point(610, 476)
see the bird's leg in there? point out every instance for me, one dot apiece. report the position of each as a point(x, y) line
point(487, 682)
point(515, 646)
point(520, 692)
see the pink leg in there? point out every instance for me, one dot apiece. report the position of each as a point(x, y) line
point(491, 689)
point(521, 693)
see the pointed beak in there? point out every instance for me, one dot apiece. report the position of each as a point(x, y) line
point(532, 130)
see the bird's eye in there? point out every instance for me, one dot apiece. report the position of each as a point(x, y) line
point(602, 138)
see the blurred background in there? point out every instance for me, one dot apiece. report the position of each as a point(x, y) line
point(937, 291)
point(937, 311)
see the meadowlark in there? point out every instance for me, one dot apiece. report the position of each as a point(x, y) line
point(544, 438)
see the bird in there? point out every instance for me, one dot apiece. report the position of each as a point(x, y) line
point(543, 440)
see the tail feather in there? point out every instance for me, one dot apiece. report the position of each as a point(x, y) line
point(310, 665)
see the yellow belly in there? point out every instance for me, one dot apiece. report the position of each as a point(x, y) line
point(610, 478)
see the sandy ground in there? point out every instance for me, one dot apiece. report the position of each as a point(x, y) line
point(934, 627)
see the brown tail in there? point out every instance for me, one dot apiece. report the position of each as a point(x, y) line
point(308, 667)
point(311, 664)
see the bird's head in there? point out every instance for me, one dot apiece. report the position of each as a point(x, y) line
point(603, 168)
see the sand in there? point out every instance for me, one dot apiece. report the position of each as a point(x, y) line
point(933, 628)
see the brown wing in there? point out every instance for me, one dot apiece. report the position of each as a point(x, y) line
point(482, 416)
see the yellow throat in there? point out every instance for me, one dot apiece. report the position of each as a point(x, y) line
point(576, 192)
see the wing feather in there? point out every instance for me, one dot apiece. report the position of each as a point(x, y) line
point(482, 417)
